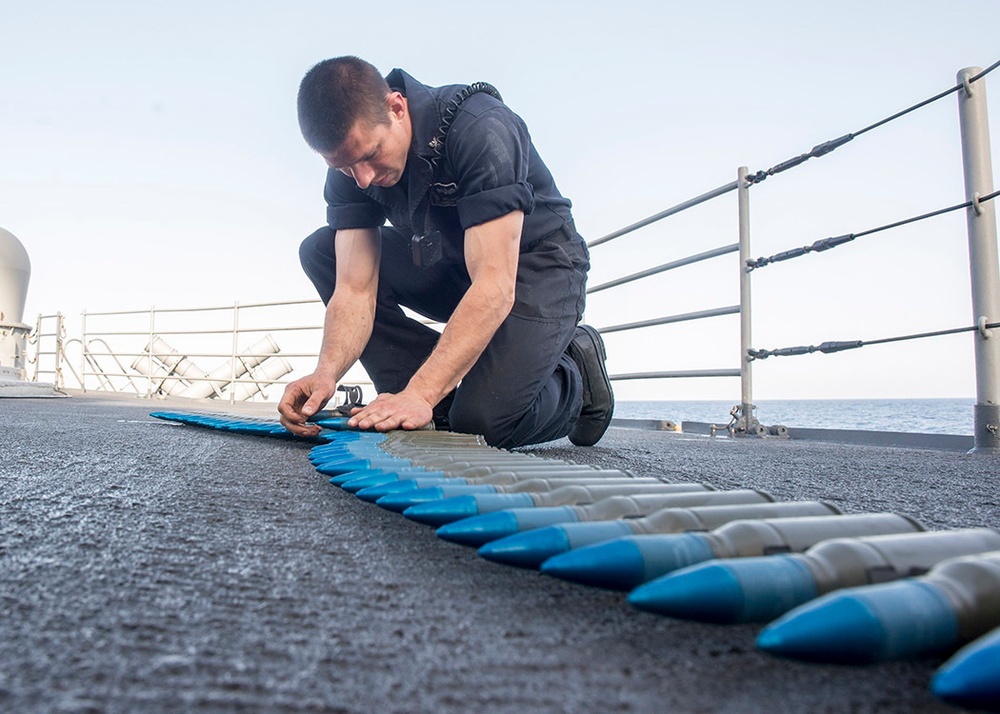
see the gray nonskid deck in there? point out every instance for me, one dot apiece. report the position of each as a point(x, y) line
point(152, 567)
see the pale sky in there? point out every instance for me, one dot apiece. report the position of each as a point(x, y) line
point(150, 155)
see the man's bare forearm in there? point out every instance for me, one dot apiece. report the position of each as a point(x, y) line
point(351, 311)
point(346, 329)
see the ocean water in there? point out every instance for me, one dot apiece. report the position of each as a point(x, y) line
point(923, 416)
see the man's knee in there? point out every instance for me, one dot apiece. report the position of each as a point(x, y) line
point(476, 419)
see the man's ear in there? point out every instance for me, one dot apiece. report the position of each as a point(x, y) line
point(396, 103)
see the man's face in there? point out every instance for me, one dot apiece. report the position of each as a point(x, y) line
point(375, 154)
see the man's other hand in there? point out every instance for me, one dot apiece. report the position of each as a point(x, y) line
point(393, 411)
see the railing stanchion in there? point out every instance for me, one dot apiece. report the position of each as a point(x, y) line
point(236, 335)
point(983, 263)
point(38, 346)
point(83, 351)
point(746, 370)
point(149, 349)
point(60, 337)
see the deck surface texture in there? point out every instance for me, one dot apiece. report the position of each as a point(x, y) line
point(146, 566)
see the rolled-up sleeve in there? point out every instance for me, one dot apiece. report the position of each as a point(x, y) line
point(490, 152)
point(347, 206)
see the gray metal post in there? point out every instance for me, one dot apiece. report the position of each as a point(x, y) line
point(236, 338)
point(149, 366)
point(38, 346)
point(983, 263)
point(83, 351)
point(750, 423)
point(60, 335)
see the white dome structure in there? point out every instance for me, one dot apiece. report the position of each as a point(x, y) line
point(15, 271)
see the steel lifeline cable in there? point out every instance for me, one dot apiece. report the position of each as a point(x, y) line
point(759, 176)
point(830, 347)
point(828, 146)
point(828, 243)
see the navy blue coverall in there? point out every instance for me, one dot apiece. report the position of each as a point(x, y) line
point(524, 388)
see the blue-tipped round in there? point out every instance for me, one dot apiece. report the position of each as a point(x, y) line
point(401, 498)
point(843, 631)
point(527, 550)
point(480, 530)
point(709, 596)
point(351, 436)
point(405, 483)
point(644, 557)
point(393, 488)
point(532, 548)
point(358, 480)
point(357, 448)
point(456, 508)
point(971, 678)
point(334, 423)
point(322, 459)
point(347, 466)
point(900, 620)
point(328, 452)
point(338, 450)
point(337, 466)
point(337, 441)
point(729, 591)
point(438, 513)
point(414, 497)
point(334, 443)
point(336, 457)
point(348, 437)
point(616, 565)
point(399, 502)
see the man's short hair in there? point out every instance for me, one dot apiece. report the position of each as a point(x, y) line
point(334, 95)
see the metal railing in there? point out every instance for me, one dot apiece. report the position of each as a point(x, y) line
point(742, 246)
point(982, 231)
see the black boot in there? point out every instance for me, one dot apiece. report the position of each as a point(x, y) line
point(587, 350)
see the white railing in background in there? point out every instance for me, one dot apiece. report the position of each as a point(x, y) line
point(152, 352)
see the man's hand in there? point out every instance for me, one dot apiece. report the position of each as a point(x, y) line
point(303, 398)
point(393, 411)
